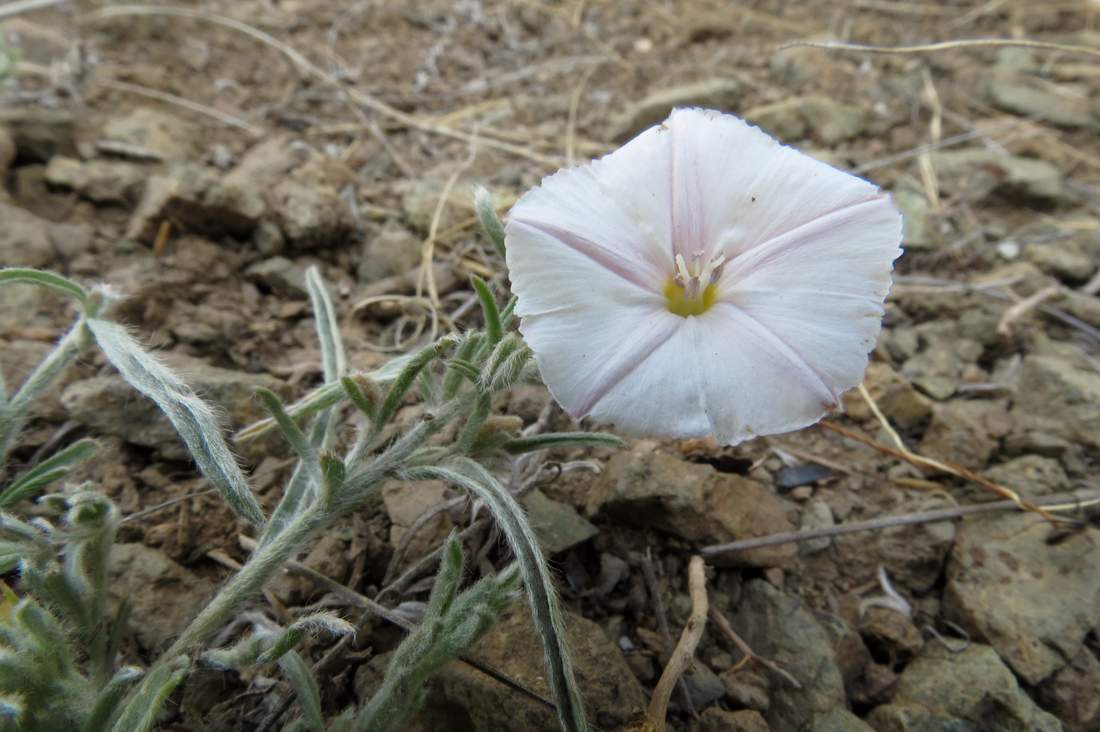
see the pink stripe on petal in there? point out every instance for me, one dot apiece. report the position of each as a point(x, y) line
point(813, 378)
point(687, 199)
point(761, 255)
point(636, 273)
point(637, 347)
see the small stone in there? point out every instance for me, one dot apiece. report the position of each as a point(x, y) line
point(40, 134)
point(641, 665)
point(157, 617)
point(825, 120)
point(942, 691)
point(890, 635)
point(1033, 602)
point(1031, 475)
point(270, 161)
point(816, 515)
point(790, 477)
point(1063, 386)
point(913, 556)
point(746, 689)
point(715, 719)
point(392, 251)
point(935, 371)
point(420, 198)
point(839, 720)
point(7, 150)
point(312, 216)
point(1033, 180)
point(703, 685)
point(24, 239)
point(1065, 259)
point(916, 213)
point(195, 199)
point(281, 276)
point(721, 94)
point(779, 627)
point(903, 405)
point(1063, 105)
point(160, 135)
point(557, 525)
point(1071, 693)
point(612, 695)
point(652, 489)
point(103, 181)
point(406, 502)
point(965, 432)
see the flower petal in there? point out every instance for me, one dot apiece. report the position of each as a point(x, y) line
point(662, 394)
point(751, 383)
point(734, 187)
point(820, 288)
point(616, 207)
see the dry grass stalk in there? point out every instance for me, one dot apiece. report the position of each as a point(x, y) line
point(944, 46)
point(684, 653)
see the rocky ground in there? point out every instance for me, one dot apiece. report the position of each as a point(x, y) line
point(206, 217)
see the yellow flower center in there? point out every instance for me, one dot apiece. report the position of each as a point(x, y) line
point(692, 291)
point(680, 303)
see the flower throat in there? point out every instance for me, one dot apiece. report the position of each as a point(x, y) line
point(692, 290)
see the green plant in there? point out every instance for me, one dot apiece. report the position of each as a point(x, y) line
point(457, 377)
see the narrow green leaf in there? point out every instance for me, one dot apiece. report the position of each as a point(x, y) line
point(405, 379)
point(328, 328)
point(463, 367)
point(460, 364)
point(470, 431)
point(193, 418)
point(448, 579)
point(317, 400)
point(43, 278)
point(294, 435)
point(508, 312)
point(551, 440)
point(13, 414)
point(140, 713)
point(54, 468)
point(493, 329)
point(309, 695)
point(364, 399)
point(490, 222)
point(541, 594)
point(109, 697)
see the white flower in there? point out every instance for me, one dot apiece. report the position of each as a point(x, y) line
point(702, 279)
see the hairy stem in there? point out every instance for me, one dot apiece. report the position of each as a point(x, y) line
point(259, 569)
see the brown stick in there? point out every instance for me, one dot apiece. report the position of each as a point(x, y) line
point(924, 517)
point(684, 653)
point(945, 467)
point(750, 655)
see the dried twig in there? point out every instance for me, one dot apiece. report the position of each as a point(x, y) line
point(929, 464)
point(1017, 311)
point(684, 653)
point(650, 576)
point(750, 655)
point(304, 64)
point(144, 91)
point(943, 46)
point(1056, 501)
point(7, 10)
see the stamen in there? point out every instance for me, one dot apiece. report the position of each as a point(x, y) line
point(691, 290)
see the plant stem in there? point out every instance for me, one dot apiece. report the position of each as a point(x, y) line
point(261, 566)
